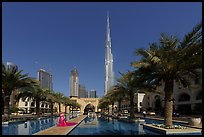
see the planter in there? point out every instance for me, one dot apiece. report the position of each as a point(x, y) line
point(194, 121)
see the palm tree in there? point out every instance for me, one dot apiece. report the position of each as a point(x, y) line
point(119, 95)
point(13, 79)
point(35, 93)
point(59, 99)
point(169, 61)
point(110, 96)
point(104, 105)
point(128, 84)
point(66, 102)
point(115, 94)
point(51, 99)
point(74, 105)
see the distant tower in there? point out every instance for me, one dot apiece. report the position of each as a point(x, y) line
point(92, 94)
point(45, 79)
point(11, 65)
point(109, 74)
point(82, 91)
point(74, 83)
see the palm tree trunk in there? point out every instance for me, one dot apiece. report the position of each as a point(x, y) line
point(119, 107)
point(72, 112)
point(7, 106)
point(51, 105)
point(131, 104)
point(168, 89)
point(112, 108)
point(38, 107)
point(59, 108)
point(65, 109)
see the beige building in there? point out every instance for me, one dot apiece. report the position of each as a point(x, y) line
point(29, 106)
point(186, 101)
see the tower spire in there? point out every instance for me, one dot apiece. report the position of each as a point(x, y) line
point(108, 28)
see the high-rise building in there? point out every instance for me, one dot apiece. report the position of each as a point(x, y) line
point(109, 74)
point(74, 83)
point(45, 79)
point(92, 94)
point(11, 65)
point(82, 91)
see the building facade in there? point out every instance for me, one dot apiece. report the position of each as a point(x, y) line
point(74, 83)
point(109, 74)
point(45, 79)
point(29, 106)
point(92, 94)
point(82, 91)
point(187, 101)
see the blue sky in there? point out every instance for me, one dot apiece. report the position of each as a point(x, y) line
point(64, 35)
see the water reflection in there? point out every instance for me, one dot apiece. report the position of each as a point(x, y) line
point(101, 126)
point(29, 127)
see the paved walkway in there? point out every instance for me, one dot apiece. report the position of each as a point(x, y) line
point(61, 130)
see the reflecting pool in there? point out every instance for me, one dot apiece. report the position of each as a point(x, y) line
point(28, 127)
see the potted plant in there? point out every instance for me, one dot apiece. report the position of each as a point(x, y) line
point(194, 121)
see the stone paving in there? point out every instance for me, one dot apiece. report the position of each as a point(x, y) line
point(61, 130)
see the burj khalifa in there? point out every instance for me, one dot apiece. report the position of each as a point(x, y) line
point(109, 74)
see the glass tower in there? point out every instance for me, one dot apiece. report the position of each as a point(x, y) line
point(45, 79)
point(74, 83)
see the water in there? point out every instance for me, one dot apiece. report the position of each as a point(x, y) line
point(29, 127)
point(89, 126)
point(100, 126)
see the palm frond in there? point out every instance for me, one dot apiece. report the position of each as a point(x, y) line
point(195, 36)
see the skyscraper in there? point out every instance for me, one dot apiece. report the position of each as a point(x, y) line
point(74, 83)
point(92, 94)
point(11, 65)
point(45, 79)
point(109, 74)
point(82, 91)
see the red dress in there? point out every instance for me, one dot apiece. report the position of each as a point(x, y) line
point(62, 122)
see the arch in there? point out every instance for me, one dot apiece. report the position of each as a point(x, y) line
point(199, 95)
point(32, 104)
point(85, 101)
point(184, 97)
point(157, 103)
point(89, 108)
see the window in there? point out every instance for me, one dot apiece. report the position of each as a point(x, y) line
point(157, 97)
point(197, 80)
point(140, 103)
point(32, 104)
point(199, 96)
point(184, 97)
point(26, 103)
